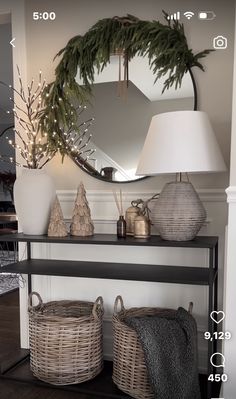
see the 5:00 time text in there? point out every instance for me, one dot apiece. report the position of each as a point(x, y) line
point(44, 15)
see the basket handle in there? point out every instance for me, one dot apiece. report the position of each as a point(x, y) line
point(98, 303)
point(118, 301)
point(30, 302)
point(190, 308)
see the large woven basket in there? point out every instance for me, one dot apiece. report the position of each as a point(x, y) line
point(129, 368)
point(65, 340)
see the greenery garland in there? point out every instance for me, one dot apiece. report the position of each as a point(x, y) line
point(165, 45)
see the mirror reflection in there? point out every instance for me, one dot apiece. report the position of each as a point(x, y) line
point(123, 114)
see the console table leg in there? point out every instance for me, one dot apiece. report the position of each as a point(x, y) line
point(29, 275)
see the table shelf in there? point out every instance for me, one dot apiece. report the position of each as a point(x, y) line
point(116, 271)
point(111, 239)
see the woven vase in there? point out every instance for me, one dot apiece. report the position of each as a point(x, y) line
point(178, 213)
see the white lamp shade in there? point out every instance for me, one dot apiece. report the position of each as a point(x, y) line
point(179, 142)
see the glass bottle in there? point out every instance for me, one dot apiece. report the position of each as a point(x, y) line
point(121, 227)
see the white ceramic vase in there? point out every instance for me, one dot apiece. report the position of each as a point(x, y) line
point(34, 192)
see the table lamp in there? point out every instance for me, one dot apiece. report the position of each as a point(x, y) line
point(180, 142)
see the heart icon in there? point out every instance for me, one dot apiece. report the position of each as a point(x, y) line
point(217, 317)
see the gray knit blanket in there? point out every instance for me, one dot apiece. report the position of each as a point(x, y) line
point(170, 347)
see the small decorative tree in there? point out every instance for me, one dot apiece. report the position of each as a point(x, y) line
point(81, 224)
point(57, 226)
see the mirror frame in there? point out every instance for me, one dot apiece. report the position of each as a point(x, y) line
point(89, 52)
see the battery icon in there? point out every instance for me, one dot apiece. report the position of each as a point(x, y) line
point(206, 15)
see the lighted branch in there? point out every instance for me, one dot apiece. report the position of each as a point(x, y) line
point(31, 141)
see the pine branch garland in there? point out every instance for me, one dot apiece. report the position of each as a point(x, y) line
point(164, 44)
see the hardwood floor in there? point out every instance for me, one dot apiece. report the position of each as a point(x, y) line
point(16, 390)
point(9, 323)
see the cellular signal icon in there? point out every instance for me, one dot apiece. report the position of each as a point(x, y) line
point(175, 16)
point(189, 14)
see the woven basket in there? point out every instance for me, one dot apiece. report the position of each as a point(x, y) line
point(65, 340)
point(129, 368)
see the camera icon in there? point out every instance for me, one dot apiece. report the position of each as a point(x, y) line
point(220, 43)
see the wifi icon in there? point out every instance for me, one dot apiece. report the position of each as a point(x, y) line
point(189, 14)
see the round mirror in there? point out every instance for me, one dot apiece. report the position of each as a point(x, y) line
point(122, 116)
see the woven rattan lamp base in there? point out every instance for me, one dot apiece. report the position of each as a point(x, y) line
point(178, 213)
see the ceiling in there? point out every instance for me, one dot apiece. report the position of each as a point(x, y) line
point(143, 78)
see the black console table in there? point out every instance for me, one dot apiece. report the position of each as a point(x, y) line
point(122, 271)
